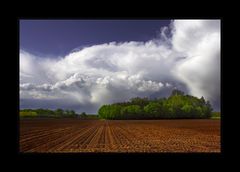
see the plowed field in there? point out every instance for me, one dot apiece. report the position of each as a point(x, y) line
point(74, 135)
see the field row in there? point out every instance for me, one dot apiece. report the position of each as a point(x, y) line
point(71, 135)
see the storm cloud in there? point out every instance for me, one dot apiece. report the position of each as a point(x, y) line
point(185, 56)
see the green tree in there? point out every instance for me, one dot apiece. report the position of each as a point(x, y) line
point(83, 115)
point(27, 114)
point(154, 110)
point(177, 92)
point(140, 101)
point(59, 112)
point(187, 110)
point(177, 105)
point(102, 112)
point(73, 113)
point(132, 112)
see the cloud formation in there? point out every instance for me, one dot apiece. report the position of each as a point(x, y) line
point(187, 55)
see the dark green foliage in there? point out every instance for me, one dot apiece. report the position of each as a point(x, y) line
point(140, 101)
point(83, 115)
point(28, 114)
point(110, 111)
point(216, 115)
point(177, 106)
point(131, 112)
point(69, 113)
point(154, 110)
point(59, 113)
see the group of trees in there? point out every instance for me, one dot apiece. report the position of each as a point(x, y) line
point(28, 114)
point(83, 115)
point(47, 113)
point(216, 115)
point(177, 105)
point(58, 113)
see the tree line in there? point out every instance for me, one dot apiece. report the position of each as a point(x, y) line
point(58, 113)
point(176, 106)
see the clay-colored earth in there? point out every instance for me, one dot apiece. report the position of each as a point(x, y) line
point(75, 135)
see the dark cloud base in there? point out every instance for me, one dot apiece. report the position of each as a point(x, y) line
point(63, 104)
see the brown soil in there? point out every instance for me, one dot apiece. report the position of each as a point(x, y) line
point(74, 135)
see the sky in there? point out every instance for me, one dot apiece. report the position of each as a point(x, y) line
point(83, 64)
point(59, 37)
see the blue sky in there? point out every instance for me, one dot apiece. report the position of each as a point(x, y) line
point(59, 37)
point(83, 64)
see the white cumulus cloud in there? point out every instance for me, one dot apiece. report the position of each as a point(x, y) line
point(114, 71)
